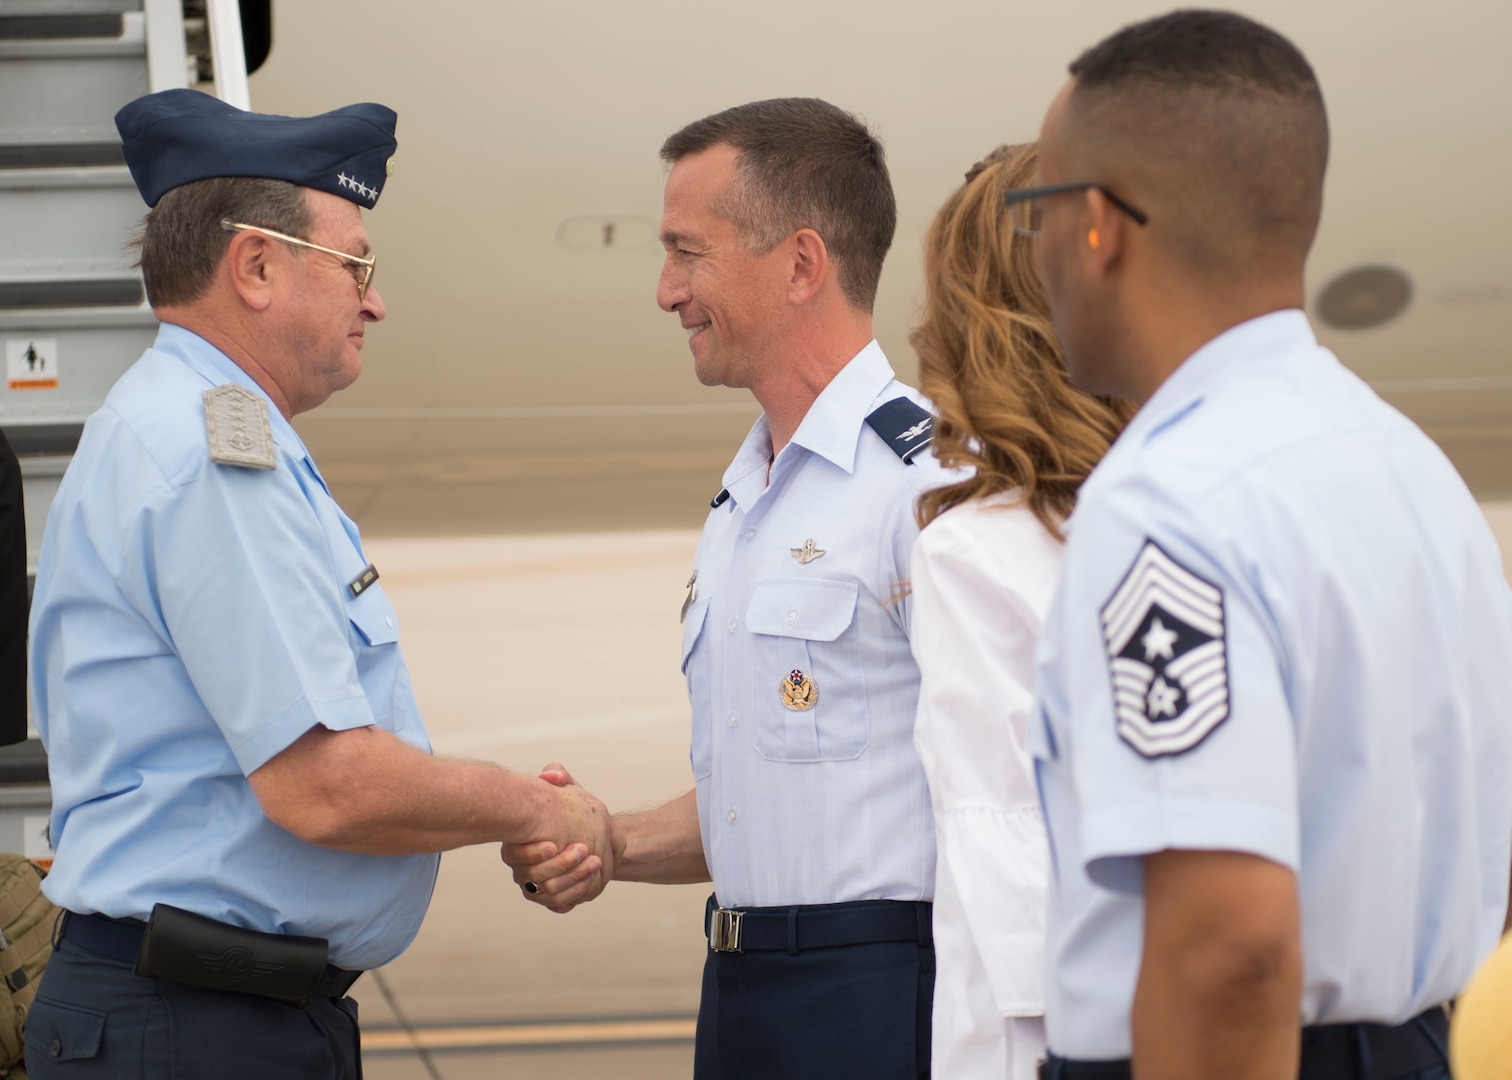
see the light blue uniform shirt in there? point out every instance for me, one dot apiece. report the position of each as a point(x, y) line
point(190, 621)
point(830, 804)
point(1282, 629)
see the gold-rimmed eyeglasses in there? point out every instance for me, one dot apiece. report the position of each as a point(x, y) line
point(365, 266)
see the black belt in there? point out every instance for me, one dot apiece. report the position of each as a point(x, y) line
point(1329, 1051)
point(817, 926)
point(121, 939)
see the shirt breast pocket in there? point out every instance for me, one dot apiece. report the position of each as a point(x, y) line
point(695, 668)
point(374, 618)
point(804, 628)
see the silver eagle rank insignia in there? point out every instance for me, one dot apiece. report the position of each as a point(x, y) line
point(1164, 632)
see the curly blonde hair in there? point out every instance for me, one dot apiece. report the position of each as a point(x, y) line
point(990, 361)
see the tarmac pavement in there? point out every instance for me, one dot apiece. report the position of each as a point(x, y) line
point(524, 650)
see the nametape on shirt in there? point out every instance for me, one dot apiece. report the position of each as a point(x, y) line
point(1164, 631)
point(240, 434)
point(904, 426)
point(363, 581)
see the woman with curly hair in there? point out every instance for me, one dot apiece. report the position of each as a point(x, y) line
point(982, 575)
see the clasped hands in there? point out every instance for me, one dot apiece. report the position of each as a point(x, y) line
point(561, 874)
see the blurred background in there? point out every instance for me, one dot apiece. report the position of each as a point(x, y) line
point(525, 379)
point(529, 455)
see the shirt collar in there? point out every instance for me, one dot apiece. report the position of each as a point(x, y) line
point(1265, 335)
point(216, 368)
point(831, 427)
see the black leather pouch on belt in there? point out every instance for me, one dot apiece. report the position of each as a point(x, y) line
point(192, 949)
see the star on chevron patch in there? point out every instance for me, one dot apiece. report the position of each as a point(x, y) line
point(1163, 627)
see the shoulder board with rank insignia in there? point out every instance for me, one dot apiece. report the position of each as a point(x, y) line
point(904, 426)
point(237, 425)
point(1163, 628)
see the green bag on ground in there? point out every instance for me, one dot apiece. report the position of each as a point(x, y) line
point(27, 920)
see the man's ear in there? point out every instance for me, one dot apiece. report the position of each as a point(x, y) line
point(247, 261)
point(811, 265)
point(1104, 233)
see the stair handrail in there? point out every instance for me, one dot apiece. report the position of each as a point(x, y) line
point(226, 52)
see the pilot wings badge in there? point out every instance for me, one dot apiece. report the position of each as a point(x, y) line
point(1163, 628)
point(808, 552)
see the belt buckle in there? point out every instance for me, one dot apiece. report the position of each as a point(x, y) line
point(724, 930)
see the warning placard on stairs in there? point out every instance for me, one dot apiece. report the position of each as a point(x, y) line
point(31, 364)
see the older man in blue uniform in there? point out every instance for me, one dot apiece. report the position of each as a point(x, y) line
point(245, 810)
point(1276, 748)
point(810, 812)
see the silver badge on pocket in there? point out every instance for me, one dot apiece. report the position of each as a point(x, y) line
point(808, 552)
point(799, 692)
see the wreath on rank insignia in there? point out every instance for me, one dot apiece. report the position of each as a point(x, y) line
point(799, 692)
point(1164, 631)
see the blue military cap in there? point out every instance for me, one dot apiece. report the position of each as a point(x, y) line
point(176, 137)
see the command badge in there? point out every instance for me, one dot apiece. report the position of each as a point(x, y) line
point(799, 692)
point(1163, 628)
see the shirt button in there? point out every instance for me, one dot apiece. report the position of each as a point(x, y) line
point(731, 815)
point(731, 721)
point(56, 1049)
point(389, 619)
point(792, 616)
point(750, 534)
point(734, 625)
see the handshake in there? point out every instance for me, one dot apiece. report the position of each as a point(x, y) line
point(581, 848)
point(579, 862)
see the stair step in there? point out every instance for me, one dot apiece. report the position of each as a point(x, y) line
point(70, 7)
point(63, 155)
point(121, 292)
point(63, 320)
point(46, 37)
point(43, 439)
point(37, 27)
point(30, 178)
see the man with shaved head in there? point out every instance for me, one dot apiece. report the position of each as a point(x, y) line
point(1275, 702)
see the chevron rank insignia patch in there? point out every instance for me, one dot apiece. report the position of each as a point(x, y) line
point(1163, 627)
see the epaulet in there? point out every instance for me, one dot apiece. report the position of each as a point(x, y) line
point(237, 427)
point(904, 426)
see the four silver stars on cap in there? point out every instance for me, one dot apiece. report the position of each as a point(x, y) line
point(351, 182)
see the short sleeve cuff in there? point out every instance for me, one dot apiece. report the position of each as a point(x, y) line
point(281, 732)
point(1187, 825)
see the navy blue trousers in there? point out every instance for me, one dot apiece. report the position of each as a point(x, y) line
point(1049, 1071)
point(859, 1012)
point(94, 1018)
point(1415, 1050)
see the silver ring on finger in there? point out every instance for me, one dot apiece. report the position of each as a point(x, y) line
point(532, 888)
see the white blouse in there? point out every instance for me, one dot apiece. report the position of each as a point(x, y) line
point(982, 576)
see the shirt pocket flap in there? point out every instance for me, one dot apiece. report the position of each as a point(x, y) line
point(815, 609)
point(373, 616)
point(693, 626)
point(63, 1033)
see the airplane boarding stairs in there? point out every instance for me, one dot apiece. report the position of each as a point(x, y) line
point(73, 312)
